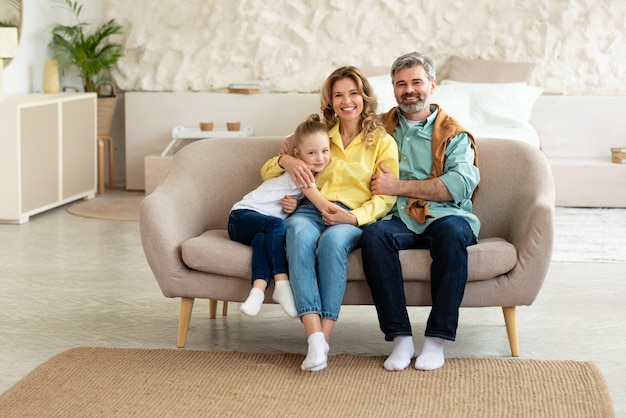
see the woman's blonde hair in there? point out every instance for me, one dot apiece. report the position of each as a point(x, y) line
point(370, 121)
point(310, 126)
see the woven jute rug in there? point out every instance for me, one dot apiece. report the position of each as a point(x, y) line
point(117, 207)
point(106, 382)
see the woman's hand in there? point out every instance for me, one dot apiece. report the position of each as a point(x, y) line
point(284, 147)
point(335, 215)
point(289, 203)
point(299, 171)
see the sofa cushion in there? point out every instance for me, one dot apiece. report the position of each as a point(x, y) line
point(213, 252)
point(474, 70)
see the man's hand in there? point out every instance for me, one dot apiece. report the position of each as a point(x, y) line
point(384, 183)
point(335, 215)
point(289, 203)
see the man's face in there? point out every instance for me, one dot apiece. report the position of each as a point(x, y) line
point(412, 89)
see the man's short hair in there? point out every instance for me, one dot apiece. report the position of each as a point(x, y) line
point(414, 59)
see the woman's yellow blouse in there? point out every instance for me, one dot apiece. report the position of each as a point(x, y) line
point(347, 178)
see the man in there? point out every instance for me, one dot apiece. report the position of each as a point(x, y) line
point(438, 176)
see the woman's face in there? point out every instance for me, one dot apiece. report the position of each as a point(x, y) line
point(347, 102)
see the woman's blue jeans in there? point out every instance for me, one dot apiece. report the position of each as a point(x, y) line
point(318, 258)
point(266, 235)
point(448, 239)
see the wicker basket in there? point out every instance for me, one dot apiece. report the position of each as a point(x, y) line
point(106, 109)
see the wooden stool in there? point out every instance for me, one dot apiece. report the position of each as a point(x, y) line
point(101, 140)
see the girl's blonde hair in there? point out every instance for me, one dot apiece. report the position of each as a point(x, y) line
point(310, 126)
point(370, 121)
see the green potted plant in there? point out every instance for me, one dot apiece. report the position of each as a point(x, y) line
point(10, 18)
point(93, 54)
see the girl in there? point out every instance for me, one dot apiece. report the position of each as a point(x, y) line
point(258, 219)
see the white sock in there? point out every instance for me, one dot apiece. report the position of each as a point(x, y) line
point(284, 297)
point(252, 305)
point(403, 352)
point(431, 356)
point(316, 358)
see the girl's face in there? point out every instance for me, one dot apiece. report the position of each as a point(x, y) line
point(314, 149)
point(347, 101)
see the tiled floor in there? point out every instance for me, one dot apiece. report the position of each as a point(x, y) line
point(68, 281)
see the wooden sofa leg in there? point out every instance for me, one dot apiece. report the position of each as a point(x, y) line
point(510, 320)
point(212, 308)
point(186, 306)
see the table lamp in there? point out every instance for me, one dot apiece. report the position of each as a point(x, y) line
point(8, 49)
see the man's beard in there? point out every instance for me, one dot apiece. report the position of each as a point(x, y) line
point(413, 108)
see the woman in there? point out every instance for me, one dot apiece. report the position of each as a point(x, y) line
point(318, 242)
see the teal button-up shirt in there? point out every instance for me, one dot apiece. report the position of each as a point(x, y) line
point(460, 175)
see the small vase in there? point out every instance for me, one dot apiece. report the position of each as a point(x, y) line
point(50, 77)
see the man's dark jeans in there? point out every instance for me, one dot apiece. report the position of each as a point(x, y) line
point(447, 239)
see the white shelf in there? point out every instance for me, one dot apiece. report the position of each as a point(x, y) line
point(181, 132)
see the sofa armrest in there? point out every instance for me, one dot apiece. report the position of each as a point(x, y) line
point(516, 202)
point(204, 180)
point(175, 212)
point(533, 238)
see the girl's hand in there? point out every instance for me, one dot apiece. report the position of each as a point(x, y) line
point(289, 203)
point(335, 215)
point(299, 171)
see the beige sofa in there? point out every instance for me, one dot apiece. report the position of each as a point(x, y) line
point(183, 229)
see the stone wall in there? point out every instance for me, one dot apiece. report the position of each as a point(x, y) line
point(579, 46)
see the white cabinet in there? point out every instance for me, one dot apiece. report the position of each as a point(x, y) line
point(47, 152)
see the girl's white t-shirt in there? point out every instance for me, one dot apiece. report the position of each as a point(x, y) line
point(265, 199)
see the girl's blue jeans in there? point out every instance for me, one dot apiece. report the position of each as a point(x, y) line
point(266, 235)
point(318, 258)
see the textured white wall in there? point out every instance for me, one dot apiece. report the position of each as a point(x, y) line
point(201, 45)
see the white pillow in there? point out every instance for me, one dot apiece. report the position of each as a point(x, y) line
point(520, 131)
point(487, 110)
point(383, 89)
point(486, 102)
point(500, 110)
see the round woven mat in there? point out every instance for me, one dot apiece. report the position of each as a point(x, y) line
point(117, 208)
